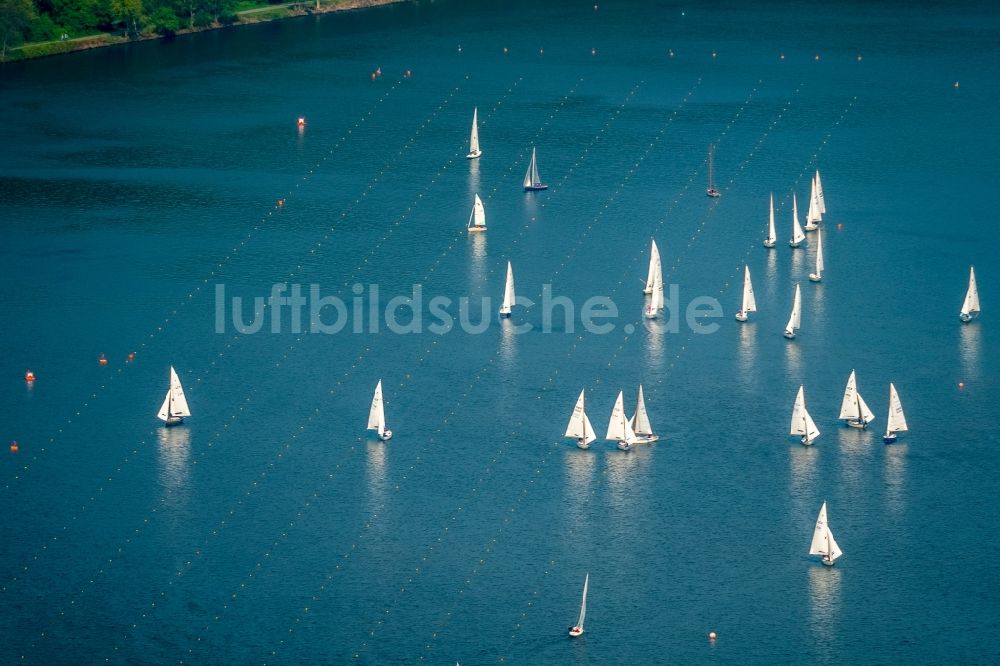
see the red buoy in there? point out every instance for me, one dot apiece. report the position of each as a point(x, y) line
point(102, 360)
point(13, 447)
point(29, 376)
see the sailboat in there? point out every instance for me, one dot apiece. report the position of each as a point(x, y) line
point(797, 235)
point(474, 151)
point(711, 191)
point(772, 236)
point(795, 320)
point(579, 426)
point(823, 542)
point(853, 409)
point(641, 426)
point(820, 199)
point(813, 217)
point(175, 406)
point(655, 267)
point(508, 293)
point(897, 420)
point(577, 629)
point(818, 275)
point(619, 428)
point(656, 299)
point(477, 218)
point(749, 303)
point(531, 179)
point(970, 308)
point(376, 415)
point(802, 423)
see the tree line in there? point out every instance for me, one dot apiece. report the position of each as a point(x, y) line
point(50, 20)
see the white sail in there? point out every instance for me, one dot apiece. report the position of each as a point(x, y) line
point(814, 215)
point(654, 268)
point(897, 420)
point(531, 179)
point(508, 292)
point(820, 199)
point(971, 304)
point(849, 405)
point(802, 423)
point(853, 407)
point(583, 603)
point(376, 415)
point(819, 256)
point(474, 136)
point(640, 422)
point(797, 234)
point(795, 320)
point(619, 428)
point(174, 403)
point(477, 219)
point(656, 298)
point(823, 542)
point(772, 235)
point(749, 302)
point(579, 425)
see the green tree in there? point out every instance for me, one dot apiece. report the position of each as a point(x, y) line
point(130, 13)
point(15, 17)
point(165, 21)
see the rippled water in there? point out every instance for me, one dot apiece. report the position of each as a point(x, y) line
point(270, 529)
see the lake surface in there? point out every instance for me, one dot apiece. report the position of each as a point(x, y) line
point(141, 182)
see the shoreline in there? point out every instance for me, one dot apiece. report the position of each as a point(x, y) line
point(33, 51)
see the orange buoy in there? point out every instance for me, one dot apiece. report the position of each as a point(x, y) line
point(302, 122)
point(102, 360)
point(29, 376)
point(13, 447)
point(961, 385)
point(130, 357)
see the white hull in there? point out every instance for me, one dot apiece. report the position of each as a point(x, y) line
point(649, 313)
point(741, 316)
point(624, 446)
point(806, 441)
point(792, 243)
point(769, 243)
point(811, 227)
point(790, 336)
point(857, 424)
point(472, 156)
point(815, 278)
point(965, 318)
point(173, 420)
point(582, 444)
point(827, 562)
point(712, 192)
point(386, 435)
point(504, 313)
point(890, 438)
point(646, 439)
point(575, 631)
point(477, 228)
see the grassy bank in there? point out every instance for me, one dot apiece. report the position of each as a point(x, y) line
point(250, 12)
